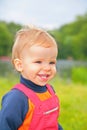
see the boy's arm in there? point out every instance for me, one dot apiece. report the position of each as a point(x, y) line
point(59, 127)
point(13, 111)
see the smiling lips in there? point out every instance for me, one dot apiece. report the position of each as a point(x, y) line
point(43, 77)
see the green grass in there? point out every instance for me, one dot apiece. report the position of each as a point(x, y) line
point(73, 98)
point(73, 101)
point(6, 84)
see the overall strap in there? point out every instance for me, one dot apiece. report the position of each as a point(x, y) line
point(28, 92)
point(50, 89)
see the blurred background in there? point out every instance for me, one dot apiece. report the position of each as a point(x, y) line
point(66, 21)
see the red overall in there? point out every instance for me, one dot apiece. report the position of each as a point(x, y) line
point(46, 112)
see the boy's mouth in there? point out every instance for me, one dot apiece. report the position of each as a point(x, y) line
point(43, 77)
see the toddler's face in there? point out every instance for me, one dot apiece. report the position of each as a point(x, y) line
point(39, 64)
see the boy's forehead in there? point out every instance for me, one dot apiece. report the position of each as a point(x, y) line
point(39, 51)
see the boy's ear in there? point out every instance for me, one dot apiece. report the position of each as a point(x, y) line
point(18, 65)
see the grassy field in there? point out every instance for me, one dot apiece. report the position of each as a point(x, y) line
point(73, 98)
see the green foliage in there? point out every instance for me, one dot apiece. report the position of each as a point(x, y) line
point(13, 28)
point(79, 75)
point(72, 39)
point(7, 33)
point(5, 39)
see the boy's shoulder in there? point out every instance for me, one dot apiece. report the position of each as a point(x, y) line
point(14, 94)
point(14, 97)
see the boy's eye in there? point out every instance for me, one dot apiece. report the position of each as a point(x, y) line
point(38, 62)
point(52, 62)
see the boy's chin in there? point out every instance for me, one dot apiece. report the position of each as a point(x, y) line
point(42, 84)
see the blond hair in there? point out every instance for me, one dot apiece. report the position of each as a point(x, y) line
point(28, 36)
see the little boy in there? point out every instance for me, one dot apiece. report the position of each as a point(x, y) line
point(32, 104)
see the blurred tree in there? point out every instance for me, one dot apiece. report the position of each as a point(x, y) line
point(5, 39)
point(13, 28)
point(72, 39)
point(7, 33)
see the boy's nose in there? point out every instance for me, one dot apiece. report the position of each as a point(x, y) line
point(46, 67)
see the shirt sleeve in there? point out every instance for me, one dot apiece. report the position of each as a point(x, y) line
point(60, 127)
point(13, 110)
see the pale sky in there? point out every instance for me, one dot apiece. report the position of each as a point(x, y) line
point(44, 13)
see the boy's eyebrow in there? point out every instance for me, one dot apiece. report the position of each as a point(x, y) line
point(52, 59)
